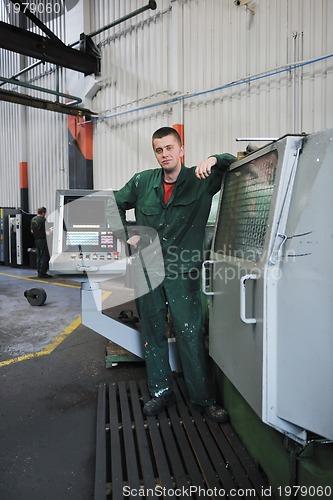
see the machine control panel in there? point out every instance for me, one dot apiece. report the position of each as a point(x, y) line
point(83, 242)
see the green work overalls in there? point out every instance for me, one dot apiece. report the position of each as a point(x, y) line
point(180, 226)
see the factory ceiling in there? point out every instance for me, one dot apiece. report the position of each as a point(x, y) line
point(49, 48)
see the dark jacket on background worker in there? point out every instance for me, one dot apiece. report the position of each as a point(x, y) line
point(39, 232)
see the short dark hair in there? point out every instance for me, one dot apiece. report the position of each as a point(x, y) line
point(163, 132)
point(41, 210)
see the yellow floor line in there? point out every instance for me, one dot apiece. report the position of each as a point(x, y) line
point(59, 338)
point(49, 348)
point(30, 278)
point(57, 341)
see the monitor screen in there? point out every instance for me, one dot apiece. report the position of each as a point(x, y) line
point(76, 238)
point(85, 226)
point(84, 212)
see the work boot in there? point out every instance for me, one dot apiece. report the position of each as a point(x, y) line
point(216, 413)
point(157, 404)
point(44, 276)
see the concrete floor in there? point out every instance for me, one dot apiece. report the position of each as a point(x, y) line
point(50, 369)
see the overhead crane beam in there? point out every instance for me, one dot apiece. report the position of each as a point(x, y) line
point(34, 102)
point(46, 49)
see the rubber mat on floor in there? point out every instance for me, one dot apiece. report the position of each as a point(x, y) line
point(179, 453)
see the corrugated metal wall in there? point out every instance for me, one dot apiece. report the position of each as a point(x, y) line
point(263, 96)
point(32, 135)
point(236, 69)
point(133, 75)
point(223, 71)
point(9, 137)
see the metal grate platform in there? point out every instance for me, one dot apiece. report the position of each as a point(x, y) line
point(177, 454)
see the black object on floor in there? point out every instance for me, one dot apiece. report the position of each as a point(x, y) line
point(35, 296)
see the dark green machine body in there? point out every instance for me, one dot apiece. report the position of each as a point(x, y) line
point(286, 464)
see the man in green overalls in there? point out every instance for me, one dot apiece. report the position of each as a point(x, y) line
point(175, 201)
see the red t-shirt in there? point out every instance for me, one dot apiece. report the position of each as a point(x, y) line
point(168, 188)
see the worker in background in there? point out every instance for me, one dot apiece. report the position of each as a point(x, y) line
point(175, 201)
point(39, 231)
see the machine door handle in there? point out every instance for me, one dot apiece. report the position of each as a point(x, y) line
point(278, 244)
point(243, 281)
point(206, 278)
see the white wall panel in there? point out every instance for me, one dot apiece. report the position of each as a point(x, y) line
point(31, 135)
point(9, 158)
point(192, 47)
point(231, 71)
point(47, 158)
point(136, 62)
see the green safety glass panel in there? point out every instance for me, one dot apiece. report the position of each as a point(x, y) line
point(245, 206)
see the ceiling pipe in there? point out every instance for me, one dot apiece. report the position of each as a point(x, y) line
point(74, 99)
point(151, 5)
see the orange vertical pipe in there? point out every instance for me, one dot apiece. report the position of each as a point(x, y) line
point(24, 186)
point(23, 174)
point(180, 129)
